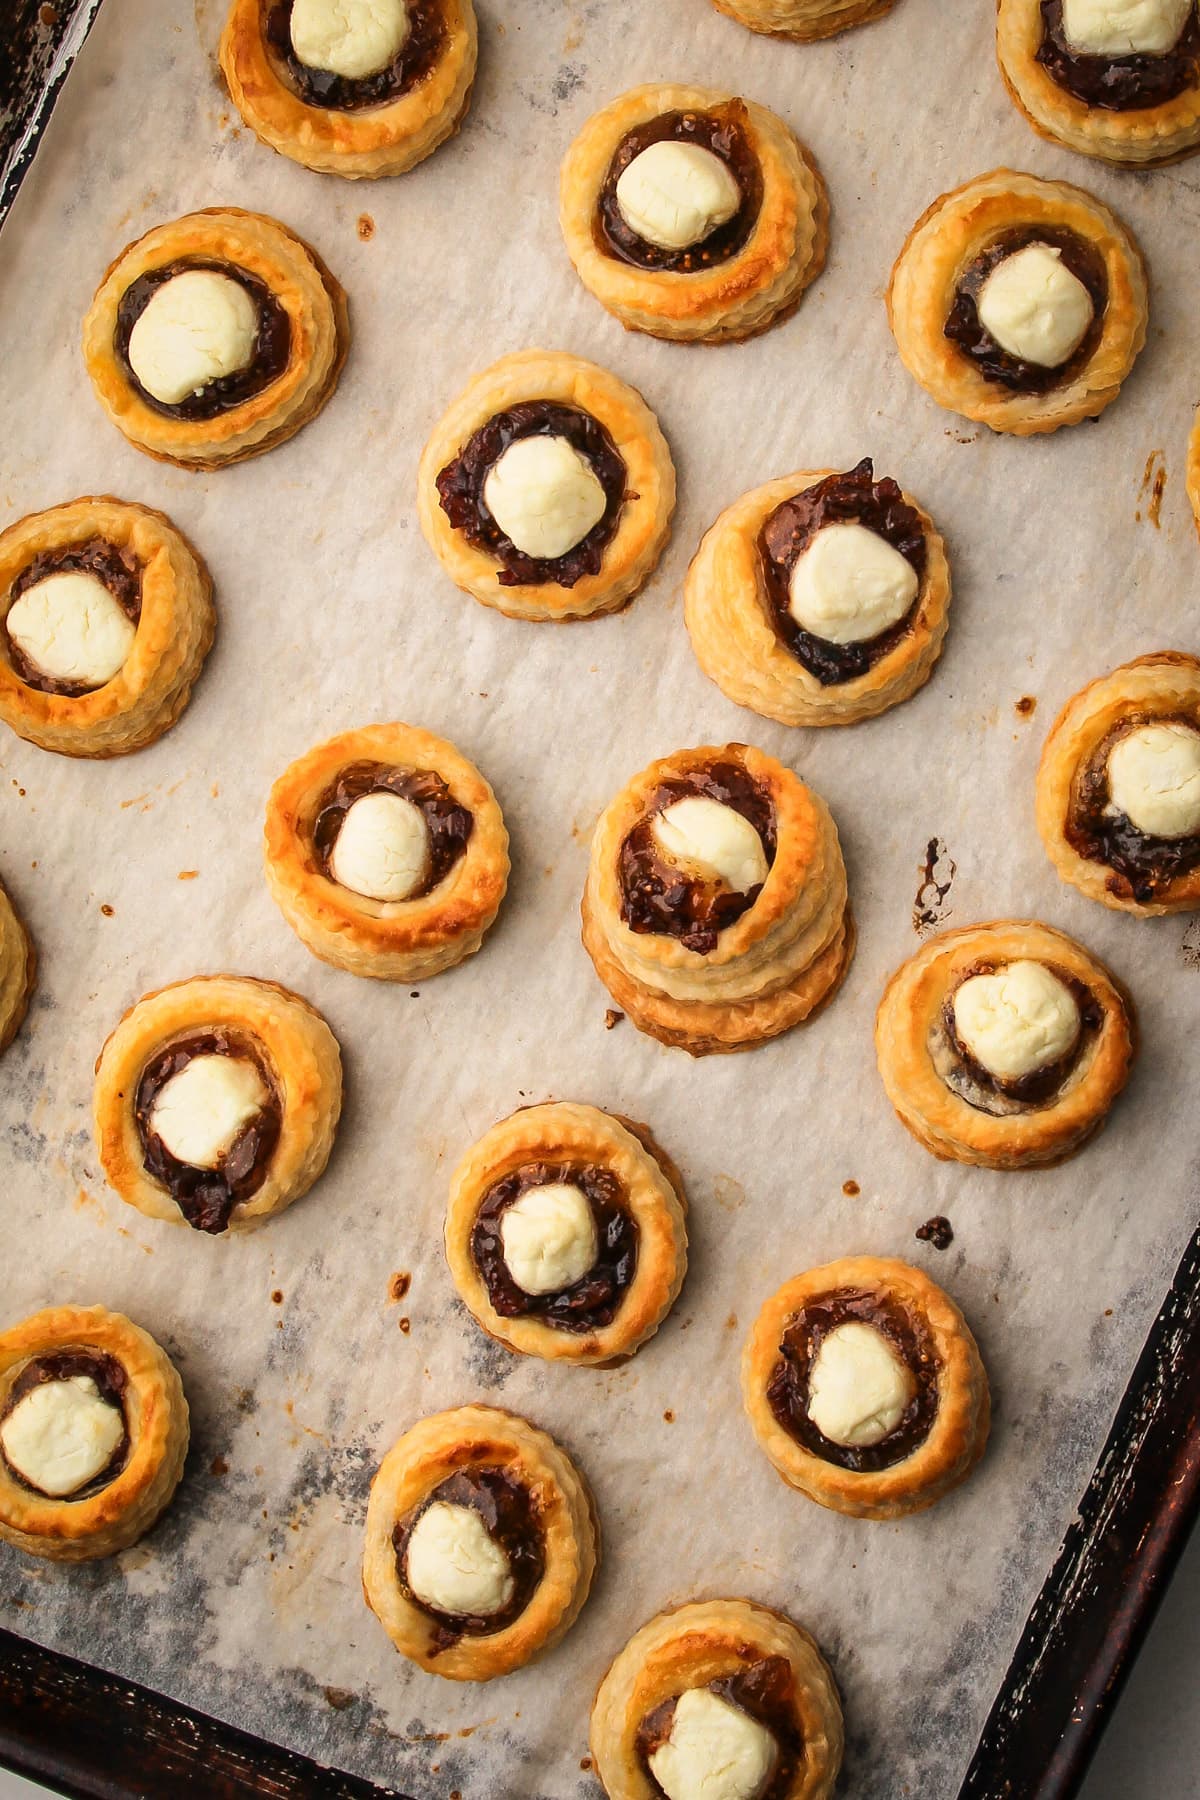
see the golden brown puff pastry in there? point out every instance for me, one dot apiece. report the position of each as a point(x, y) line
point(1118, 787)
point(216, 1102)
point(716, 909)
point(865, 1388)
point(1004, 1044)
point(93, 1433)
point(714, 235)
point(814, 630)
point(1193, 468)
point(547, 489)
point(215, 337)
point(566, 1233)
point(807, 21)
point(106, 617)
point(358, 102)
point(18, 970)
point(482, 1541)
point(960, 303)
point(1098, 95)
point(386, 852)
point(713, 1687)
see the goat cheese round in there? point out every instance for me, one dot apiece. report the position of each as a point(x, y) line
point(351, 38)
point(1034, 307)
point(675, 195)
point(1124, 27)
point(716, 841)
point(850, 585)
point(71, 628)
point(194, 329)
point(858, 1388)
point(455, 1565)
point(382, 849)
point(61, 1435)
point(548, 1238)
point(544, 496)
point(715, 1751)
point(201, 1110)
point(1020, 1019)
point(1154, 779)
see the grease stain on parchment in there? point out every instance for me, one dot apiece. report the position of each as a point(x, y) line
point(1150, 493)
point(931, 907)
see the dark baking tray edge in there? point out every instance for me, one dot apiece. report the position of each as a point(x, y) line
point(39, 42)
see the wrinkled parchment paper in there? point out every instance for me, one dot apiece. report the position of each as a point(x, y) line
point(299, 1368)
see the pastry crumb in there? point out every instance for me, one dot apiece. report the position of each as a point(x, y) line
point(612, 1017)
point(406, 1326)
point(851, 1190)
point(366, 227)
point(399, 1285)
point(218, 1466)
point(187, 874)
point(339, 1698)
point(937, 1231)
point(107, 910)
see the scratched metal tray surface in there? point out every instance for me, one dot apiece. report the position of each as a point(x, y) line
point(91, 1732)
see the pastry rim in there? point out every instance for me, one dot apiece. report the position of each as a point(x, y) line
point(18, 970)
point(825, 18)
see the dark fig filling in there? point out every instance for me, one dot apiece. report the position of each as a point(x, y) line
point(272, 344)
point(995, 1094)
point(207, 1197)
point(659, 898)
point(591, 1302)
point(460, 488)
point(64, 1365)
point(907, 1336)
point(120, 572)
point(855, 498)
point(449, 824)
point(723, 132)
point(965, 328)
point(418, 56)
point(510, 1515)
point(764, 1687)
point(1119, 83)
point(1143, 866)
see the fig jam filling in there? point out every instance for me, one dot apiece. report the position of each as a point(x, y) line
point(419, 54)
point(591, 1302)
point(965, 328)
point(460, 488)
point(207, 1197)
point(762, 1686)
point(449, 824)
point(855, 498)
point(656, 896)
point(994, 1094)
point(63, 1365)
point(787, 1389)
point(723, 131)
point(1143, 867)
point(272, 344)
point(1119, 83)
point(120, 572)
point(510, 1515)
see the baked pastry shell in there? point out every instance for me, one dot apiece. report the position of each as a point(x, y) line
point(299, 281)
point(1140, 138)
point(943, 243)
point(298, 1047)
point(950, 1126)
point(735, 298)
point(958, 1434)
point(728, 614)
point(391, 940)
point(448, 1443)
point(156, 1415)
point(174, 633)
point(18, 970)
point(369, 141)
point(643, 525)
point(691, 1646)
point(805, 21)
point(568, 1132)
point(1192, 473)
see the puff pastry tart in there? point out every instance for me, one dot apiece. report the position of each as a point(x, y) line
point(215, 338)
point(718, 1700)
point(1020, 303)
point(1118, 787)
point(865, 1388)
point(93, 1433)
point(106, 617)
point(807, 21)
point(18, 970)
point(1004, 1044)
point(1116, 80)
point(351, 87)
point(482, 1542)
point(386, 852)
point(819, 598)
point(547, 489)
point(566, 1233)
point(715, 909)
point(691, 214)
point(216, 1102)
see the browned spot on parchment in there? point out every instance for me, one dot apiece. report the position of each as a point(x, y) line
point(851, 1190)
point(731, 1322)
point(107, 910)
point(277, 1296)
point(937, 877)
point(1189, 949)
point(187, 874)
point(669, 1416)
point(366, 227)
point(339, 1698)
point(218, 1466)
point(1150, 493)
point(399, 1285)
point(406, 1326)
point(1025, 706)
point(729, 1193)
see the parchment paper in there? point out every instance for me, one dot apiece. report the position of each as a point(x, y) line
point(300, 1370)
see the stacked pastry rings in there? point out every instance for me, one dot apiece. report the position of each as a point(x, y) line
point(18, 970)
point(769, 969)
